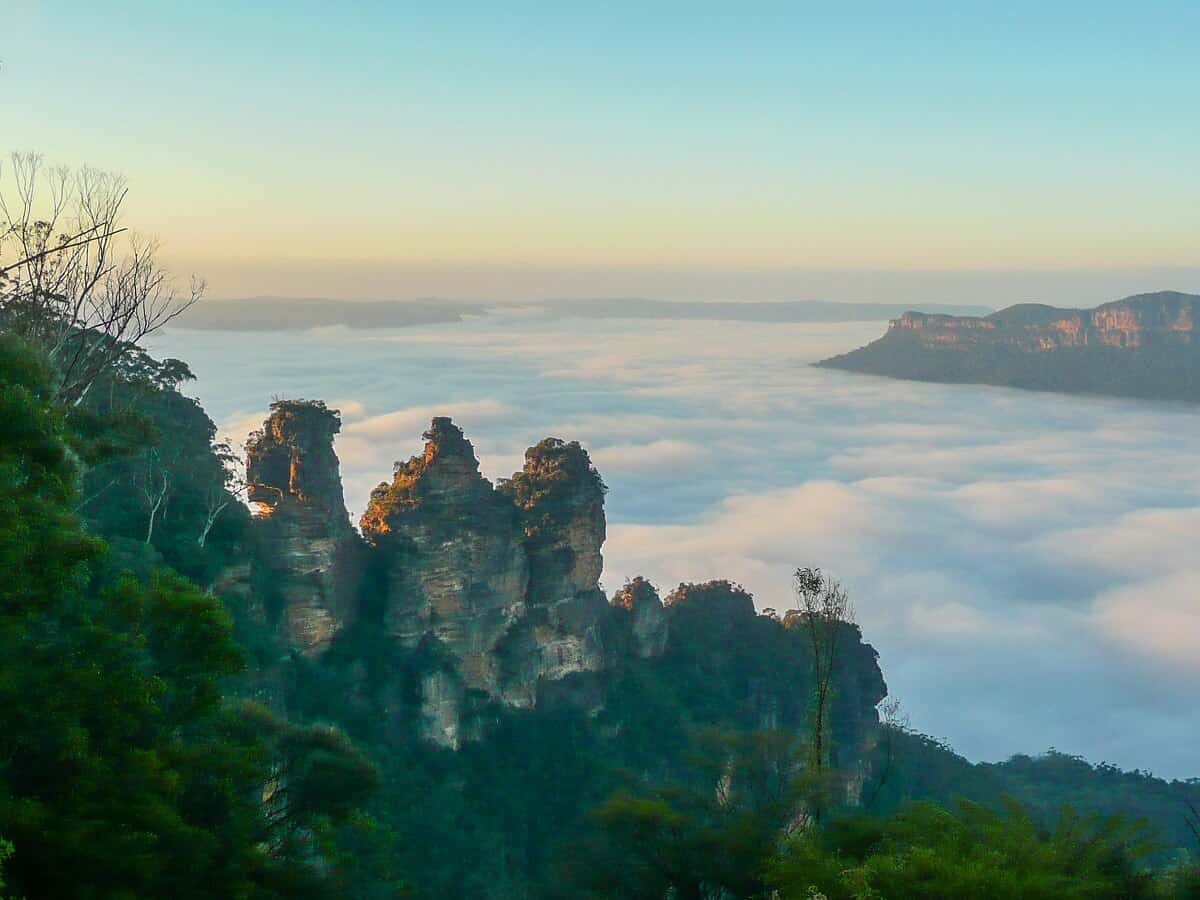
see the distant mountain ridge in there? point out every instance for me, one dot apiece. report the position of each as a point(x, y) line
point(743, 311)
point(298, 314)
point(291, 314)
point(1147, 345)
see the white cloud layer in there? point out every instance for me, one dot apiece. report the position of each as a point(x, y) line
point(1025, 563)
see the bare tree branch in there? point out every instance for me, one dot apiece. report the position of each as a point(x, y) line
point(83, 288)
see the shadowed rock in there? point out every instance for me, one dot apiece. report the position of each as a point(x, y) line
point(452, 552)
point(648, 617)
point(504, 579)
point(293, 481)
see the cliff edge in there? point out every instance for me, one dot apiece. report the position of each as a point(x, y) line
point(1145, 346)
point(463, 598)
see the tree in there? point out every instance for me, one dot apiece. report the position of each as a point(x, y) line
point(155, 486)
point(973, 851)
point(155, 472)
point(78, 285)
point(6, 851)
point(220, 494)
point(892, 727)
point(822, 609)
point(708, 834)
point(317, 778)
point(123, 770)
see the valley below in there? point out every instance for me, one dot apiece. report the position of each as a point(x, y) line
point(1011, 555)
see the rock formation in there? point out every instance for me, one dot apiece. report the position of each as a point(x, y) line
point(455, 566)
point(648, 618)
point(1142, 346)
point(467, 595)
point(1146, 320)
point(313, 551)
point(560, 501)
point(505, 581)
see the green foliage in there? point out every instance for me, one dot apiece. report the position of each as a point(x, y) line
point(708, 833)
point(125, 769)
point(123, 772)
point(974, 852)
point(555, 471)
point(515, 799)
point(153, 474)
point(6, 851)
point(736, 824)
point(908, 766)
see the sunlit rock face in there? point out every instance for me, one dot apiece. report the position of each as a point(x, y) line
point(561, 500)
point(504, 579)
point(452, 552)
point(1166, 319)
point(1143, 346)
point(314, 553)
point(483, 593)
point(648, 624)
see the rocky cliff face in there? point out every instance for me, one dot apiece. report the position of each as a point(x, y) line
point(1145, 320)
point(560, 501)
point(1145, 346)
point(466, 594)
point(503, 580)
point(455, 567)
point(314, 554)
point(762, 666)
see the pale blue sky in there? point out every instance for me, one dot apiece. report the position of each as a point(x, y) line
point(887, 136)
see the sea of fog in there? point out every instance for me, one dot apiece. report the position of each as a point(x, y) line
point(1025, 564)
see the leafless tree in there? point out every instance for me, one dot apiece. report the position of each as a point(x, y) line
point(155, 487)
point(73, 280)
point(230, 490)
point(892, 726)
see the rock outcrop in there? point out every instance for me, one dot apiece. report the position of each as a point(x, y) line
point(504, 580)
point(648, 617)
point(466, 597)
point(1168, 318)
point(1143, 346)
point(454, 562)
point(314, 553)
point(560, 500)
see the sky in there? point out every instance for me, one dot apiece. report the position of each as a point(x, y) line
point(1024, 563)
point(870, 151)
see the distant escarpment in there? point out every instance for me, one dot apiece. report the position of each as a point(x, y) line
point(1143, 346)
point(463, 597)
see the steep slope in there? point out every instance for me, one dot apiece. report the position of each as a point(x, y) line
point(1145, 346)
point(467, 597)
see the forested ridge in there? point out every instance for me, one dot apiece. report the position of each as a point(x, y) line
point(178, 719)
